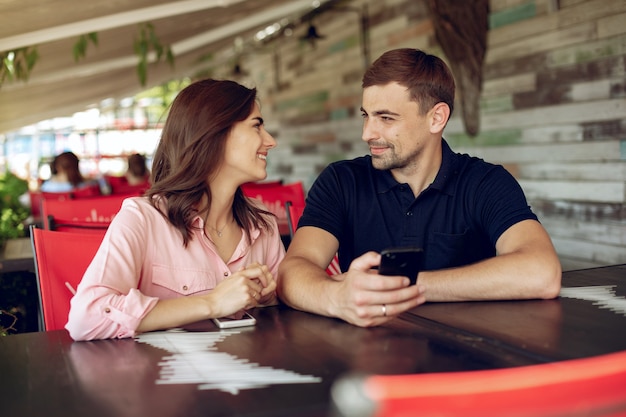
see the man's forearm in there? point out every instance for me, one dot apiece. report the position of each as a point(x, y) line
point(504, 277)
point(305, 286)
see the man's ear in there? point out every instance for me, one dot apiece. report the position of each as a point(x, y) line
point(439, 115)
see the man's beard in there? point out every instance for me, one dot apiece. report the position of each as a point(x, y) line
point(391, 160)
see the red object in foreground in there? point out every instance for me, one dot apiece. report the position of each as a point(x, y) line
point(593, 386)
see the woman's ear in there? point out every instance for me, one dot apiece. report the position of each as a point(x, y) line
point(439, 115)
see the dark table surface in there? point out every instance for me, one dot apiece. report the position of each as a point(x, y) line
point(588, 319)
point(46, 373)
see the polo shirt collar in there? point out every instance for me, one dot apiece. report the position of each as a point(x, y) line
point(385, 181)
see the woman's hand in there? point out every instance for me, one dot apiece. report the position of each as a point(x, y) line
point(267, 295)
point(250, 287)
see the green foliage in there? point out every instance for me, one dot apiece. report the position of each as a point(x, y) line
point(18, 63)
point(80, 47)
point(146, 41)
point(12, 212)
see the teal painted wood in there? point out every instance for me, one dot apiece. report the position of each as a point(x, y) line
point(490, 138)
point(512, 15)
point(587, 52)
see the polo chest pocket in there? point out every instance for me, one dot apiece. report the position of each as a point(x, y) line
point(183, 281)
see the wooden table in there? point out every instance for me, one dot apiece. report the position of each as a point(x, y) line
point(45, 373)
point(578, 324)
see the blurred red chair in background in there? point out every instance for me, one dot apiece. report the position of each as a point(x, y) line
point(120, 185)
point(84, 213)
point(274, 196)
point(61, 259)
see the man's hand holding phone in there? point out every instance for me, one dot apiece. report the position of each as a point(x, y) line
point(404, 261)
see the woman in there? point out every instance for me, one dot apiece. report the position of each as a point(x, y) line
point(66, 175)
point(138, 172)
point(194, 247)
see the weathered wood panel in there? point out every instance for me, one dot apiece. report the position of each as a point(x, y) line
point(596, 191)
point(553, 106)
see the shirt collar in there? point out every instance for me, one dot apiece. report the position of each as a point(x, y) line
point(385, 181)
point(198, 224)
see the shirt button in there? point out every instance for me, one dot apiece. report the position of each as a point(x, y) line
point(185, 288)
point(409, 213)
point(226, 273)
point(107, 310)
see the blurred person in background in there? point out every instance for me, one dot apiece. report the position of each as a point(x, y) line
point(138, 172)
point(66, 175)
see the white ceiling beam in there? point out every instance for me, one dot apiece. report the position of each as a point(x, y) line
point(109, 22)
point(178, 48)
point(256, 19)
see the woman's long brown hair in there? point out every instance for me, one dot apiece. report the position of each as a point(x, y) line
point(192, 148)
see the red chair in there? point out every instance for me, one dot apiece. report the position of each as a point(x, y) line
point(61, 259)
point(120, 185)
point(57, 196)
point(84, 213)
point(91, 190)
point(293, 216)
point(36, 199)
point(249, 187)
point(274, 198)
point(590, 386)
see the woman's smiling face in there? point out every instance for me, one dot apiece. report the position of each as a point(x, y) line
point(247, 147)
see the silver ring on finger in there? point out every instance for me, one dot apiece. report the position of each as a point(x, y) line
point(384, 310)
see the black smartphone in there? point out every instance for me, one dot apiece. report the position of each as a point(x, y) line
point(404, 261)
point(230, 322)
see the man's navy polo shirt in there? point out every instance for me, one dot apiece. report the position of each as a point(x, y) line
point(456, 220)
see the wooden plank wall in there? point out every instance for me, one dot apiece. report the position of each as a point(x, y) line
point(553, 107)
point(554, 114)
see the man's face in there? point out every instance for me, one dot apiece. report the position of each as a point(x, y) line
point(392, 127)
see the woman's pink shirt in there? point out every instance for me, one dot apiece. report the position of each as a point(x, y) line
point(142, 259)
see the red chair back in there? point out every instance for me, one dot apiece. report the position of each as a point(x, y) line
point(36, 198)
point(83, 213)
point(120, 185)
point(293, 216)
point(274, 198)
point(88, 191)
point(91, 190)
point(61, 259)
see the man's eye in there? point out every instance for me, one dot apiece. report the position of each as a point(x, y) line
point(364, 115)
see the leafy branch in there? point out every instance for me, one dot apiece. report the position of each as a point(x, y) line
point(148, 40)
point(5, 331)
point(18, 63)
point(80, 47)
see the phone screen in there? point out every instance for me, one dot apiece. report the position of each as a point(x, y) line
point(230, 322)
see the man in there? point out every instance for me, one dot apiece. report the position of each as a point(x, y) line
point(480, 239)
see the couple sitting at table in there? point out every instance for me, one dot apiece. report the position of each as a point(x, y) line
point(195, 248)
